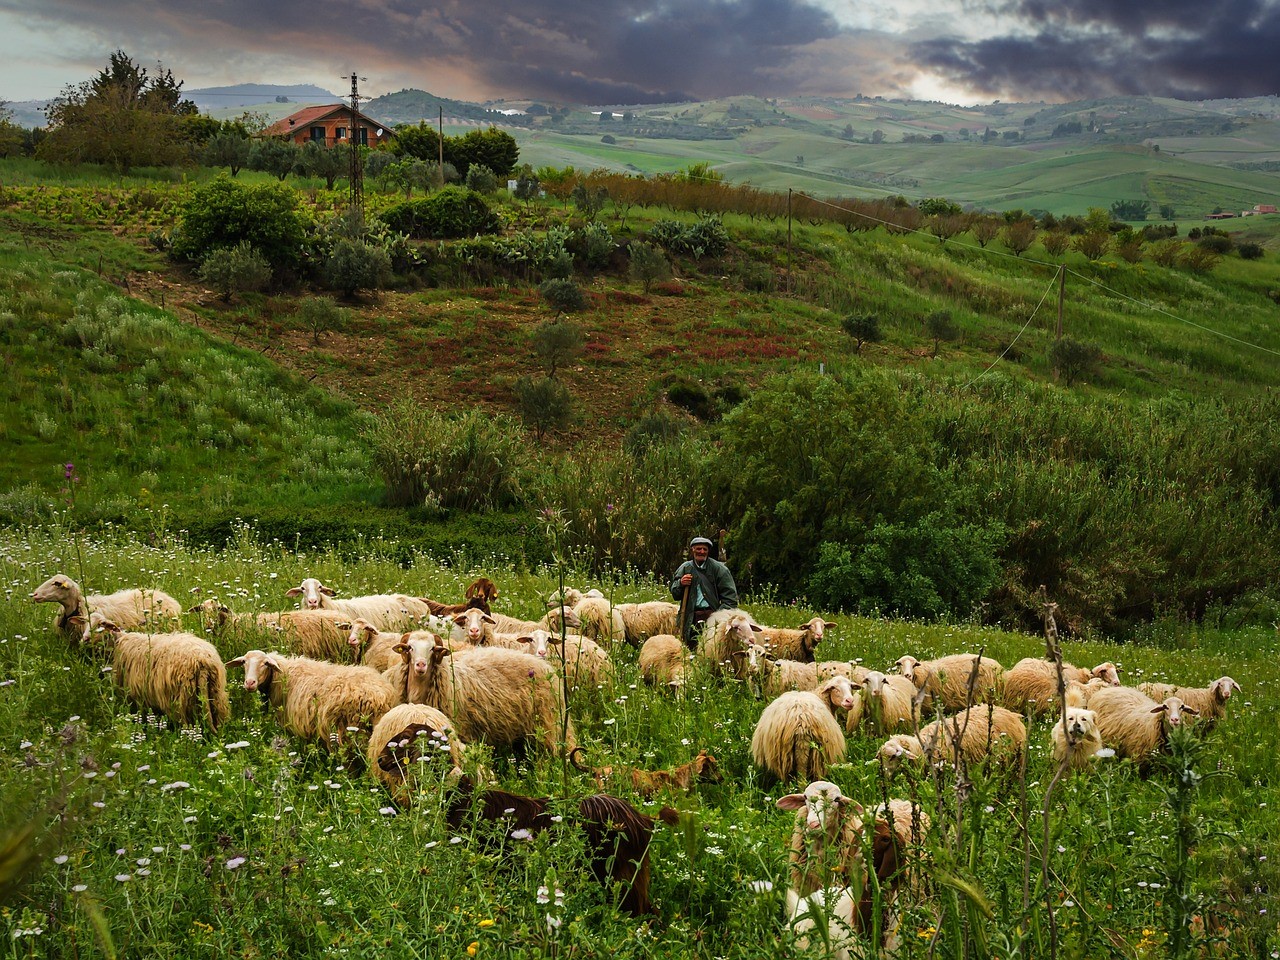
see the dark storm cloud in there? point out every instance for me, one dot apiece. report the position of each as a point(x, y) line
point(1067, 49)
point(614, 51)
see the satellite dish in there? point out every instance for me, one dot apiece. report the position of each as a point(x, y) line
point(378, 132)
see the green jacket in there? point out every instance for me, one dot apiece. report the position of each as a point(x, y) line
point(719, 592)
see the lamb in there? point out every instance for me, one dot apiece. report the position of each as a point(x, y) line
point(130, 609)
point(315, 700)
point(495, 695)
point(664, 660)
point(169, 672)
point(826, 843)
point(405, 737)
point(640, 621)
point(704, 768)
point(1078, 729)
point(1135, 725)
point(797, 734)
point(726, 633)
point(891, 703)
point(1031, 684)
point(982, 731)
point(386, 610)
point(797, 644)
point(947, 679)
point(617, 834)
point(583, 662)
point(1210, 701)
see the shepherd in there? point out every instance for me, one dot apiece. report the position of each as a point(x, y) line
point(702, 586)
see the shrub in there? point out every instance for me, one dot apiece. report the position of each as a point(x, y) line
point(543, 404)
point(692, 396)
point(320, 315)
point(1071, 359)
point(863, 328)
point(562, 295)
point(447, 214)
point(706, 238)
point(1218, 243)
point(1198, 259)
point(1250, 251)
point(222, 213)
point(481, 179)
point(595, 244)
point(1056, 242)
point(933, 568)
point(654, 429)
point(555, 343)
point(354, 265)
point(939, 326)
point(469, 462)
point(238, 269)
point(648, 265)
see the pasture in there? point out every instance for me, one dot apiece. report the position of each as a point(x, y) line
point(152, 840)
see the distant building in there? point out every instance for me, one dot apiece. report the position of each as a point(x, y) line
point(1219, 216)
point(329, 124)
point(1264, 208)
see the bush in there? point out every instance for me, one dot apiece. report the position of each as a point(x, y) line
point(222, 213)
point(692, 396)
point(320, 315)
point(595, 244)
point(447, 214)
point(654, 429)
point(1071, 359)
point(555, 343)
point(471, 462)
point(939, 326)
point(706, 238)
point(354, 265)
point(543, 404)
point(238, 269)
point(863, 328)
point(1250, 251)
point(1218, 243)
point(481, 179)
point(648, 265)
point(936, 567)
point(562, 295)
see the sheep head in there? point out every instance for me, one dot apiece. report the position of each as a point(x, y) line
point(57, 589)
point(312, 591)
point(473, 624)
point(361, 633)
point(897, 750)
point(259, 669)
point(1172, 709)
point(822, 806)
point(837, 693)
point(1108, 672)
point(1222, 687)
point(907, 666)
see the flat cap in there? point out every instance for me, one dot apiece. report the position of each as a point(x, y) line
point(700, 540)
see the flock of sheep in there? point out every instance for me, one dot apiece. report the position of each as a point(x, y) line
point(411, 679)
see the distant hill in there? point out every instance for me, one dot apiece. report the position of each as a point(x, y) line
point(27, 113)
point(413, 106)
point(254, 94)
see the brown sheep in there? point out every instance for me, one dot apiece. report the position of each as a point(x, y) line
point(1031, 684)
point(701, 769)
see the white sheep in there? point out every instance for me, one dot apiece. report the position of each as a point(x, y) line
point(842, 668)
point(407, 738)
point(570, 597)
point(725, 639)
point(601, 621)
point(319, 634)
point(1077, 730)
point(1211, 701)
point(795, 644)
point(1030, 686)
point(890, 703)
point(797, 734)
point(640, 621)
point(316, 700)
point(178, 674)
point(385, 610)
point(776, 676)
point(664, 661)
point(490, 694)
point(480, 629)
point(130, 609)
point(583, 662)
point(376, 648)
point(983, 730)
point(947, 679)
point(1133, 724)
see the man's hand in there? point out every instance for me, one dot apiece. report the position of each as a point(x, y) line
point(686, 579)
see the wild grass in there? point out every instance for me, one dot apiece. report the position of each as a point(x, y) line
point(191, 844)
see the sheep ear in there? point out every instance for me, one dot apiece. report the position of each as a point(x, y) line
point(271, 661)
point(792, 801)
point(328, 591)
point(852, 804)
point(439, 653)
point(343, 625)
point(525, 639)
point(1191, 710)
point(487, 619)
point(401, 648)
point(756, 628)
point(76, 620)
point(460, 619)
point(293, 592)
point(237, 662)
point(827, 625)
point(1159, 708)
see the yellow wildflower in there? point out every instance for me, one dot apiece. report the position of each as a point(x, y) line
point(472, 948)
point(487, 923)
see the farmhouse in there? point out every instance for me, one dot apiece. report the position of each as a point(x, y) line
point(329, 124)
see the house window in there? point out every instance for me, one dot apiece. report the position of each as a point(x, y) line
point(339, 133)
point(317, 134)
point(362, 136)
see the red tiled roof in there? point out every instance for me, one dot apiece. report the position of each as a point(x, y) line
point(309, 115)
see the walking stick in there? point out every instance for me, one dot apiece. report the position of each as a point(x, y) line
point(683, 616)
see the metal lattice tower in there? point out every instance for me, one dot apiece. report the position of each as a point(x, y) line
point(356, 174)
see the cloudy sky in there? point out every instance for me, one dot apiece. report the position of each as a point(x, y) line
point(635, 51)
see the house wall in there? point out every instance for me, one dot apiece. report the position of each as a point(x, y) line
point(335, 130)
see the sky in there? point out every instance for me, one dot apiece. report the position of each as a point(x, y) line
point(613, 52)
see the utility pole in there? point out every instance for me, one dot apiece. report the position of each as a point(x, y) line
point(440, 132)
point(788, 239)
point(356, 175)
point(1062, 297)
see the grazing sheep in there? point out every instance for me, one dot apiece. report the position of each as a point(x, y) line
point(583, 662)
point(891, 703)
point(1031, 685)
point(570, 597)
point(481, 629)
point(377, 648)
point(617, 835)
point(386, 610)
point(601, 621)
point(703, 768)
point(725, 639)
point(842, 668)
point(1210, 701)
point(495, 695)
point(316, 700)
point(319, 634)
point(640, 621)
point(777, 676)
point(1078, 731)
point(947, 679)
point(169, 672)
point(131, 609)
point(982, 731)
point(797, 735)
point(664, 660)
point(1133, 724)
point(797, 644)
point(407, 737)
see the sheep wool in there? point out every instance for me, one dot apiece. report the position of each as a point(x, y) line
point(1133, 724)
point(797, 736)
point(663, 661)
point(1211, 701)
point(640, 621)
point(947, 679)
point(130, 609)
point(725, 638)
point(407, 738)
point(178, 674)
point(1030, 686)
point(795, 644)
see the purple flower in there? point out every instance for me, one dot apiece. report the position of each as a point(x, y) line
point(68, 471)
point(608, 508)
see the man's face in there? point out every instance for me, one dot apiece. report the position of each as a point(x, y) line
point(700, 552)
